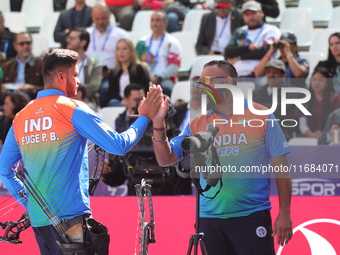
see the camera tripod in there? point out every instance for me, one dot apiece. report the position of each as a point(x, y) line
point(197, 238)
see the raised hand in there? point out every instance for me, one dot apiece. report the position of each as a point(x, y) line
point(148, 107)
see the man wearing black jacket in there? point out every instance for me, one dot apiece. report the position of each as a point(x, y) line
point(78, 16)
point(7, 50)
point(217, 27)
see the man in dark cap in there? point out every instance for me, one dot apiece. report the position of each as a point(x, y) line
point(295, 66)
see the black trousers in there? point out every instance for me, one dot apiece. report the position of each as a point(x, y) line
point(248, 235)
point(46, 238)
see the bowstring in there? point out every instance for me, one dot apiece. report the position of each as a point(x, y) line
point(17, 202)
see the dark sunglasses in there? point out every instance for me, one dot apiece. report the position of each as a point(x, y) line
point(23, 43)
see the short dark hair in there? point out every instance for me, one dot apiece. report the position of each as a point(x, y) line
point(82, 89)
point(58, 58)
point(84, 35)
point(18, 99)
point(21, 33)
point(130, 87)
point(227, 67)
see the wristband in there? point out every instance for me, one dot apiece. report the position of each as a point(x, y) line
point(159, 129)
point(166, 140)
point(267, 56)
point(289, 56)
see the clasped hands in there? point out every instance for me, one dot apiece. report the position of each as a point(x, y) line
point(154, 106)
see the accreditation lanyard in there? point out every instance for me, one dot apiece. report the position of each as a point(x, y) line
point(5, 46)
point(105, 40)
point(257, 36)
point(223, 27)
point(155, 59)
point(81, 68)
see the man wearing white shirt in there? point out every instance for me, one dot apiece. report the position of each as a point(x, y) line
point(161, 51)
point(104, 37)
point(251, 42)
point(103, 41)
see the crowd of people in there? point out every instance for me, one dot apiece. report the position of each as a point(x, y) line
point(109, 61)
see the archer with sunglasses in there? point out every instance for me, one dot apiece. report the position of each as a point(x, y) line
point(25, 69)
point(217, 27)
point(235, 214)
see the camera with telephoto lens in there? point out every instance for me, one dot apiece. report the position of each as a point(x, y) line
point(278, 45)
point(195, 145)
point(200, 142)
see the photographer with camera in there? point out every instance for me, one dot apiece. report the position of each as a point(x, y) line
point(295, 66)
point(237, 220)
point(140, 162)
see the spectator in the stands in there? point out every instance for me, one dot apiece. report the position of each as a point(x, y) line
point(323, 101)
point(270, 7)
point(217, 27)
point(103, 42)
point(129, 69)
point(295, 66)
point(162, 52)
point(333, 60)
point(331, 133)
point(78, 16)
point(251, 42)
point(7, 50)
point(25, 70)
point(174, 9)
point(13, 103)
point(275, 71)
point(89, 70)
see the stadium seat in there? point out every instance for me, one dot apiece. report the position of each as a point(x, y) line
point(112, 19)
point(141, 23)
point(40, 45)
point(245, 86)
point(188, 50)
point(192, 22)
point(282, 7)
point(200, 61)
point(134, 38)
point(299, 22)
point(181, 90)
point(47, 29)
point(313, 59)
point(320, 41)
point(5, 6)
point(334, 21)
point(320, 10)
point(303, 141)
point(35, 12)
point(109, 114)
point(15, 21)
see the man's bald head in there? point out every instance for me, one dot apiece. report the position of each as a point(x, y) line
point(101, 16)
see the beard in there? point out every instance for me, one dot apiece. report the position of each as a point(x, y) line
point(222, 93)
